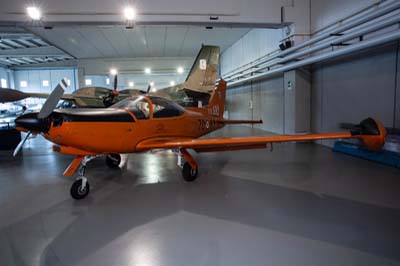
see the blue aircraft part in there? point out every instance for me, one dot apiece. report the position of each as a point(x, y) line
point(383, 156)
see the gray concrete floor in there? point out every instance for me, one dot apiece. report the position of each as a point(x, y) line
point(301, 204)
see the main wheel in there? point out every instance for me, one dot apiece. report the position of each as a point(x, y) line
point(189, 174)
point(77, 192)
point(113, 160)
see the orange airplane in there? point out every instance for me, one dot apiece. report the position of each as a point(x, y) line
point(144, 123)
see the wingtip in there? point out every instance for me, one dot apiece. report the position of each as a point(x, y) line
point(372, 134)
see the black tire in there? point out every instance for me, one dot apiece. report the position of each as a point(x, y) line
point(113, 160)
point(189, 174)
point(76, 190)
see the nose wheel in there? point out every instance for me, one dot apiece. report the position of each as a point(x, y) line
point(80, 188)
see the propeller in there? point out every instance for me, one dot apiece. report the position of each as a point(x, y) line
point(148, 89)
point(109, 99)
point(37, 121)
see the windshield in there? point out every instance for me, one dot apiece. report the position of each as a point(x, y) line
point(137, 105)
point(140, 107)
point(126, 103)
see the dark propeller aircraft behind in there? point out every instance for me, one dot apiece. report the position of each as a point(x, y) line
point(198, 86)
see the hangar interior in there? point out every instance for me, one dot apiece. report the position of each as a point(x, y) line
point(301, 66)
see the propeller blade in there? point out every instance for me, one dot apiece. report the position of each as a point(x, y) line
point(148, 89)
point(10, 95)
point(52, 100)
point(115, 82)
point(21, 143)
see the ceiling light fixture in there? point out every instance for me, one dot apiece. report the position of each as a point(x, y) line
point(147, 70)
point(34, 13)
point(172, 83)
point(129, 13)
point(113, 71)
point(179, 70)
point(152, 84)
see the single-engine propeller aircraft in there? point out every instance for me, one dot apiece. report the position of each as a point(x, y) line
point(144, 123)
point(198, 86)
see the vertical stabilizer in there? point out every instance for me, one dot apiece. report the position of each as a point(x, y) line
point(203, 74)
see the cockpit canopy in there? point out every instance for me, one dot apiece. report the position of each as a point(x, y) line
point(146, 107)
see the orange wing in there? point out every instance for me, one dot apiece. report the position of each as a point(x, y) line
point(371, 133)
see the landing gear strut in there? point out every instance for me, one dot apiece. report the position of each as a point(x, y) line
point(188, 164)
point(81, 188)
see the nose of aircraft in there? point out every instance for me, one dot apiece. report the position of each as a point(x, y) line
point(31, 122)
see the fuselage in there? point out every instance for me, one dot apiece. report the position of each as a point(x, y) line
point(119, 130)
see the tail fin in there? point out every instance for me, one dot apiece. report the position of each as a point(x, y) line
point(216, 106)
point(203, 74)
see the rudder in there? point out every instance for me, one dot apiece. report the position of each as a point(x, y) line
point(216, 106)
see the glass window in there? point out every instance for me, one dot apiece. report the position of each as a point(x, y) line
point(23, 84)
point(165, 108)
point(3, 83)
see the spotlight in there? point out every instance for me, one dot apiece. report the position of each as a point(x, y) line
point(129, 13)
point(172, 83)
point(113, 71)
point(131, 84)
point(34, 13)
point(147, 70)
point(179, 70)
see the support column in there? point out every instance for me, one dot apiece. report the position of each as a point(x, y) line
point(297, 85)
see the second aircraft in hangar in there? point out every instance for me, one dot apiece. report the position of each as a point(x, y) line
point(198, 86)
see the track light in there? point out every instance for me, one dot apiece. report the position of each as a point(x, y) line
point(34, 13)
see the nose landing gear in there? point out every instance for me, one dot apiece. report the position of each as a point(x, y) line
point(81, 188)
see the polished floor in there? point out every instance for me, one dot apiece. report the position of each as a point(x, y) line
point(301, 204)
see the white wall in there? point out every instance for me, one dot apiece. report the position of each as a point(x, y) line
point(348, 89)
point(34, 79)
point(325, 12)
point(259, 100)
point(353, 88)
point(255, 44)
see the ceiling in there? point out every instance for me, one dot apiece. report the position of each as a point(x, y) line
point(142, 41)
point(20, 48)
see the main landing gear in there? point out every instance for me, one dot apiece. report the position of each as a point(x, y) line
point(81, 188)
point(188, 164)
